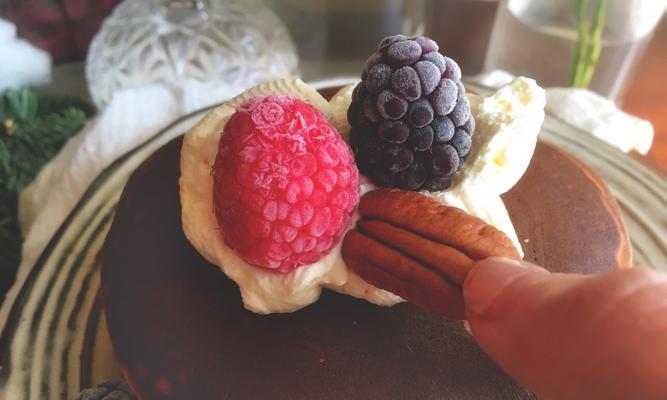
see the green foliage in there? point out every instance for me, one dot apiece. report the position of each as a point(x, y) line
point(33, 128)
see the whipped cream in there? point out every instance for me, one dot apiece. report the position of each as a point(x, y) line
point(507, 124)
point(263, 291)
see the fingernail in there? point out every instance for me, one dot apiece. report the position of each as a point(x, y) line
point(466, 326)
point(489, 278)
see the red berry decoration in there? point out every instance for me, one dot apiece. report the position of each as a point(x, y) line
point(285, 183)
point(411, 122)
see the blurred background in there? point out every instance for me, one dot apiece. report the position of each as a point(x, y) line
point(624, 41)
point(64, 61)
point(538, 38)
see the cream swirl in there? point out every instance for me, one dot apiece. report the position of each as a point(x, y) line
point(510, 117)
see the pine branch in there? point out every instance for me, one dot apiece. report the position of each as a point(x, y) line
point(33, 128)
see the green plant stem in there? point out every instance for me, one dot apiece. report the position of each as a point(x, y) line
point(596, 42)
point(582, 41)
point(589, 42)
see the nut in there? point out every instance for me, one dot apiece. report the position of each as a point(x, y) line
point(420, 249)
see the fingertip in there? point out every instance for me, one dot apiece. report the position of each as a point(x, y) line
point(604, 335)
point(489, 278)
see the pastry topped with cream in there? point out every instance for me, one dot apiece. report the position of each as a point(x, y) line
point(269, 186)
point(181, 329)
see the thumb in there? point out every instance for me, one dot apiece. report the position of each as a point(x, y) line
point(571, 336)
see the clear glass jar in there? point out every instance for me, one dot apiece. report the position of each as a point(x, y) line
point(233, 43)
point(335, 37)
point(557, 42)
point(462, 28)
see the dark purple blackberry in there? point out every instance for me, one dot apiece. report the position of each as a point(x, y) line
point(378, 78)
point(429, 76)
point(428, 45)
point(397, 158)
point(369, 110)
point(410, 118)
point(445, 159)
point(444, 96)
point(393, 131)
point(443, 129)
point(420, 113)
point(461, 142)
point(461, 111)
point(435, 183)
point(391, 105)
point(436, 59)
point(413, 177)
point(469, 125)
point(389, 40)
point(421, 138)
point(405, 82)
point(406, 52)
point(452, 70)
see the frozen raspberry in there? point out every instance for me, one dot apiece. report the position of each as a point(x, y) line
point(285, 183)
point(420, 131)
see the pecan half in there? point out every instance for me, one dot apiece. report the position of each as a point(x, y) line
point(420, 249)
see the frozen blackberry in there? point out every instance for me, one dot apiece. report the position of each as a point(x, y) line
point(391, 105)
point(411, 121)
point(393, 131)
point(405, 82)
point(422, 138)
point(461, 141)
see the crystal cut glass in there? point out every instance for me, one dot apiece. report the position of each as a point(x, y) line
point(232, 44)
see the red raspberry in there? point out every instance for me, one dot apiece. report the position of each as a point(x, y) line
point(285, 183)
